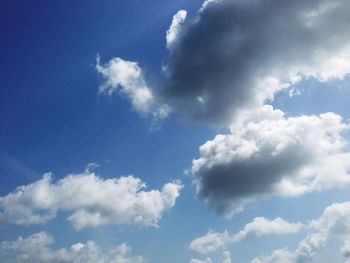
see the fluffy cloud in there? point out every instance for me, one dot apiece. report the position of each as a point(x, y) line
point(94, 201)
point(213, 241)
point(226, 259)
point(236, 54)
point(127, 76)
point(280, 255)
point(267, 153)
point(37, 248)
point(262, 226)
point(210, 242)
point(335, 221)
point(195, 260)
point(175, 28)
point(346, 249)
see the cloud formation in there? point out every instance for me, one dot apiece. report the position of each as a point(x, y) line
point(277, 256)
point(37, 248)
point(213, 241)
point(210, 242)
point(335, 221)
point(238, 54)
point(262, 226)
point(346, 250)
point(267, 153)
point(128, 78)
point(174, 30)
point(92, 200)
point(226, 259)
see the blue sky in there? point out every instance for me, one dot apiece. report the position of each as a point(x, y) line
point(219, 109)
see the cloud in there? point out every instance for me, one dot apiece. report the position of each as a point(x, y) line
point(235, 55)
point(262, 226)
point(238, 54)
point(267, 153)
point(128, 78)
point(226, 259)
point(280, 255)
point(92, 200)
point(210, 242)
point(213, 241)
point(175, 28)
point(345, 250)
point(195, 260)
point(37, 248)
point(334, 221)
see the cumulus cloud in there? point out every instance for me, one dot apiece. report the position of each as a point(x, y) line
point(92, 200)
point(346, 249)
point(278, 256)
point(238, 54)
point(128, 78)
point(262, 226)
point(175, 28)
point(226, 259)
point(213, 241)
point(210, 242)
point(195, 260)
point(37, 248)
point(335, 221)
point(224, 61)
point(267, 153)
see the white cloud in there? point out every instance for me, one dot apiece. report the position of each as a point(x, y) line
point(37, 248)
point(267, 153)
point(94, 201)
point(226, 259)
point(262, 226)
point(210, 242)
point(195, 260)
point(278, 256)
point(346, 250)
point(259, 226)
point(175, 28)
point(335, 221)
point(128, 78)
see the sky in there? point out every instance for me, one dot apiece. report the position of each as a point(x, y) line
point(187, 131)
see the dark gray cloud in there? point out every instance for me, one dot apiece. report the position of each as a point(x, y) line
point(269, 154)
point(237, 54)
point(225, 59)
point(224, 185)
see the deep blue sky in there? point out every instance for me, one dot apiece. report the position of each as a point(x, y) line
point(52, 119)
